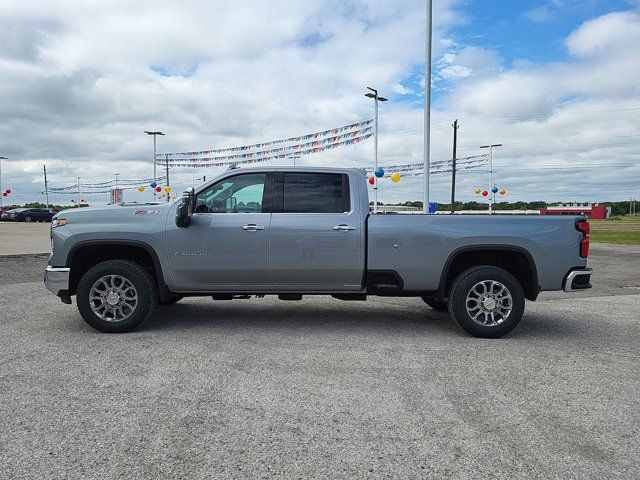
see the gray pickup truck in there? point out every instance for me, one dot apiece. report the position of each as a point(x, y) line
point(308, 231)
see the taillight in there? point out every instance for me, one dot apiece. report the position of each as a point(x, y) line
point(584, 227)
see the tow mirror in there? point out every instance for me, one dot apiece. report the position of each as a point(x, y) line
point(185, 209)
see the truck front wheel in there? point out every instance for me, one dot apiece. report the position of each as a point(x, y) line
point(487, 302)
point(116, 296)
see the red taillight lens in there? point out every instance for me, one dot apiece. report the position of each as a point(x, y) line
point(584, 227)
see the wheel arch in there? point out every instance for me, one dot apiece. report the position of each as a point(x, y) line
point(86, 254)
point(516, 260)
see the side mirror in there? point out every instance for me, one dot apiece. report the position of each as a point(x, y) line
point(185, 210)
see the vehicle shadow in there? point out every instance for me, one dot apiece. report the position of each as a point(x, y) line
point(244, 314)
point(343, 317)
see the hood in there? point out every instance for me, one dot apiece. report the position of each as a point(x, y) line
point(116, 213)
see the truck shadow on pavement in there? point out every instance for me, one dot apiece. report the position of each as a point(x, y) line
point(414, 320)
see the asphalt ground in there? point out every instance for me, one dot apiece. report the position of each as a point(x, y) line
point(320, 388)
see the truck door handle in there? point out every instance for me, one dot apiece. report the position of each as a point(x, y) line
point(252, 227)
point(343, 228)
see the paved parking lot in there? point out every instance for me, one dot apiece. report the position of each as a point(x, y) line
point(321, 388)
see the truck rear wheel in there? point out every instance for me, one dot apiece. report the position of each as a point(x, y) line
point(116, 296)
point(487, 302)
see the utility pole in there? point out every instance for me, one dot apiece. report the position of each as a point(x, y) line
point(166, 164)
point(492, 200)
point(427, 104)
point(376, 99)
point(46, 185)
point(453, 166)
point(155, 134)
point(1, 191)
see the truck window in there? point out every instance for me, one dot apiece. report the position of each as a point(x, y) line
point(238, 194)
point(316, 193)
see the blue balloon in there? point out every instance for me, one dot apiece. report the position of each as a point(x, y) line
point(154, 184)
point(379, 172)
point(494, 189)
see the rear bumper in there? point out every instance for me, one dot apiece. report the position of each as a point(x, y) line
point(578, 279)
point(56, 279)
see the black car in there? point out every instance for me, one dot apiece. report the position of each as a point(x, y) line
point(31, 215)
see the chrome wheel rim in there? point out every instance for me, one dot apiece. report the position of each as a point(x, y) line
point(489, 303)
point(113, 298)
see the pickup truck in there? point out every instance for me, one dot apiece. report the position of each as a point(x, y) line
point(308, 231)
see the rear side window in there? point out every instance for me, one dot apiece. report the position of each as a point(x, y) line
point(316, 193)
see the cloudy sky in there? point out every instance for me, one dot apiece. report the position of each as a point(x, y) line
point(556, 81)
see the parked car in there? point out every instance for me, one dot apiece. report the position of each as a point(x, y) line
point(309, 232)
point(6, 214)
point(31, 215)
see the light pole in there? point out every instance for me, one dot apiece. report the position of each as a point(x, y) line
point(377, 98)
point(79, 193)
point(427, 104)
point(155, 134)
point(1, 192)
point(491, 185)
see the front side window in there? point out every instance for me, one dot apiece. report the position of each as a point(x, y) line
point(316, 193)
point(238, 194)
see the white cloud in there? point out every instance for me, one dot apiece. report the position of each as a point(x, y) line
point(79, 82)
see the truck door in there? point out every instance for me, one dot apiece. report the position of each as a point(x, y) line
point(226, 246)
point(317, 237)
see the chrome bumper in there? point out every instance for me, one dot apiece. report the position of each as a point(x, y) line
point(56, 279)
point(577, 280)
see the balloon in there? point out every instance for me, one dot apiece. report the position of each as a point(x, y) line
point(141, 189)
point(372, 180)
point(379, 172)
point(158, 189)
point(8, 191)
point(485, 193)
point(478, 191)
point(502, 191)
point(167, 189)
point(174, 196)
point(154, 184)
point(395, 177)
point(4, 194)
point(494, 189)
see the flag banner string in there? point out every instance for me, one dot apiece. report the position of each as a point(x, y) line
point(434, 166)
point(291, 149)
point(110, 183)
point(321, 148)
point(482, 157)
point(332, 131)
point(417, 173)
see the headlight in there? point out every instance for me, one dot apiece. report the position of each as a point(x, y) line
point(58, 222)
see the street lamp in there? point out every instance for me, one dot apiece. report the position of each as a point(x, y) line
point(377, 98)
point(1, 158)
point(154, 151)
point(491, 185)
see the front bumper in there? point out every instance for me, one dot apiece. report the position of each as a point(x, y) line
point(578, 279)
point(56, 279)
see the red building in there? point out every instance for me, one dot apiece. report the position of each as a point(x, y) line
point(597, 212)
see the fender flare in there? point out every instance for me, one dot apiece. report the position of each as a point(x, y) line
point(491, 247)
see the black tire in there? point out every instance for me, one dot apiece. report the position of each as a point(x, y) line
point(144, 288)
point(437, 305)
point(173, 299)
point(462, 287)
